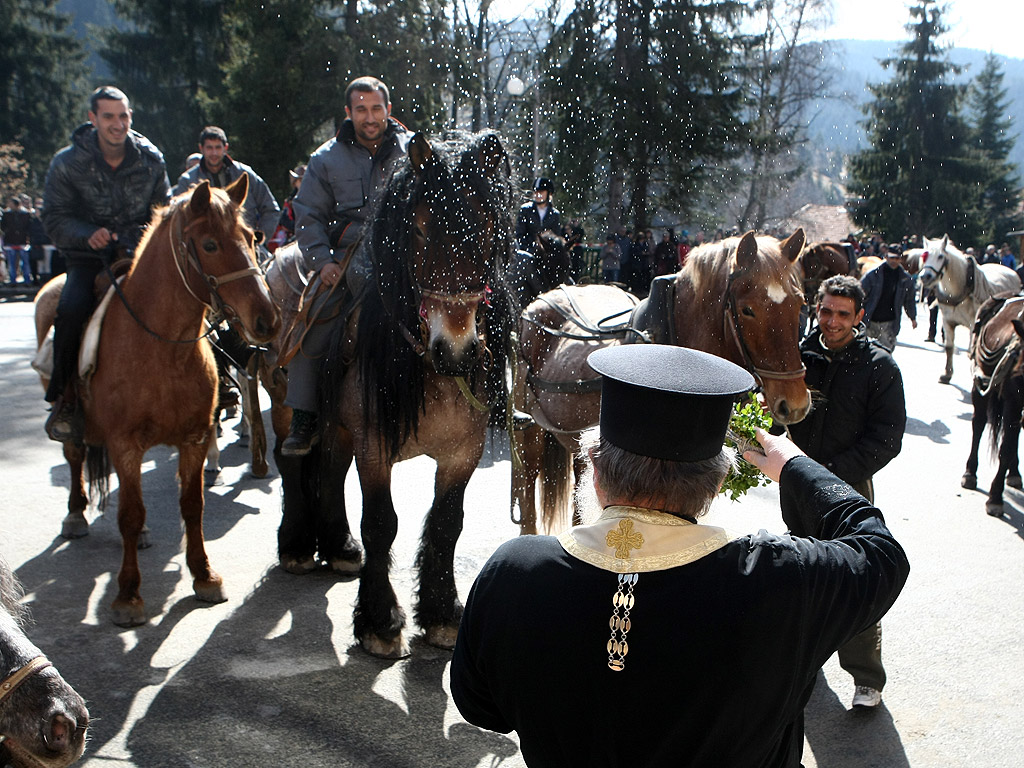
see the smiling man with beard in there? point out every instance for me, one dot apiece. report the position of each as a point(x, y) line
point(672, 642)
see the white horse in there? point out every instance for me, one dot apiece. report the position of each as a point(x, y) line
point(961, 286)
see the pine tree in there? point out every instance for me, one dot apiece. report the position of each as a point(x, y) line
point(920, 175)
point(40, 96)
point(991, 135)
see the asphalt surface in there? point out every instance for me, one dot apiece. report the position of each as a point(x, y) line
point(273, 676)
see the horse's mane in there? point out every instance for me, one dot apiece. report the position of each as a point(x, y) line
point(11, 594)
point(710, 263)
point(392, 372)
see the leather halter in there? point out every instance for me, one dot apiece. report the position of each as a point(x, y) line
point(10, 683)
point(733, 321)
point(945, 298)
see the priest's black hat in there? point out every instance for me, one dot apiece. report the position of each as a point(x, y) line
point(667, 402)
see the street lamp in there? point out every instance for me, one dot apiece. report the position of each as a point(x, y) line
point(516, 87)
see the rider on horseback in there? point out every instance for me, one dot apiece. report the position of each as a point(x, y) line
point(342, 179)
point(100, 193)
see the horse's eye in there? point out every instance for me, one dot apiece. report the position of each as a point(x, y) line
point(747, 311)
point(210, 246)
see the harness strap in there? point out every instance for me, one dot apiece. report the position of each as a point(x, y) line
point(969, 283)
point(19, 676)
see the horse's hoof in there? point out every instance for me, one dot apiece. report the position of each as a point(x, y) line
point(994, 508)
point(300, 566)
point(1014, 481)
point(131, 613)
point(348, 564)
point(969, 481)
point(74, 527)
point(442, 636)
point(260, 468)
point(945, 378)
point(211, 590)
point(144, 541)
point(395, 648)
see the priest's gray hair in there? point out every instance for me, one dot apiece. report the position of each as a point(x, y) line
point(681, 487)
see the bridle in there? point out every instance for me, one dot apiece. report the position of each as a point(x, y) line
point(969, 280)
point(733, 321)
point(10, 683)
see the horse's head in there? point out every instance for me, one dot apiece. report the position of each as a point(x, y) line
point(818, 262)
point(453, 258)
point(938, 252)
point(763, 308)
point(42, 719)
point(220, 254)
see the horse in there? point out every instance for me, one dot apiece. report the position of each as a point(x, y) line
point(961, 286)
point(819, 261)
point(997, 395)
point(739, 299)
point(154, 380)
point(418, 369)
point(43, 720)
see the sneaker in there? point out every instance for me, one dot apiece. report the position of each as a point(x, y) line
point(61, 425)
point(302, 435)
point(863, 696)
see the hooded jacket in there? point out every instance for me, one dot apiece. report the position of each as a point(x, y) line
point(261, 209)
point(83, 193)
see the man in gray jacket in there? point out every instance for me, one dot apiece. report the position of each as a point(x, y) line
point(99, 196)
point(220, 169)
point(889, 291)
point(342, 179)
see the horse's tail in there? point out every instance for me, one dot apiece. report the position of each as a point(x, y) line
point(97, 464)
point(555, 484)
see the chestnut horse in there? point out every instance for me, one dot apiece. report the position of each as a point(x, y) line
point(997, 395)
point(417, 372)
point(42, 719)
point(155, 380)
point(818, 262)
point(739, 299)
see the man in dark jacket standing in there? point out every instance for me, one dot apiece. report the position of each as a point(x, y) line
point(342, 179)
point(538, 216)
point(889, 292)
point(854, 431)
point(99, 196)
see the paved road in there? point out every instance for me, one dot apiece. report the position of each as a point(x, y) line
point(272, 677)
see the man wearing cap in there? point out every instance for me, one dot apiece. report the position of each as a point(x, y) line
point(889, 291)
point(538, 216)
point(672, 642)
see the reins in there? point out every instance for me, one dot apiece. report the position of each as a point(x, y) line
point(10, 683)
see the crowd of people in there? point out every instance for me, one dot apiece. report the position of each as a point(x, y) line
point(28, 252)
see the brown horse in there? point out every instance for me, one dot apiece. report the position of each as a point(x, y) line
point(43, 720)
point(739, 299)
point(155, 380)
point(417, 372)
point(818, 262)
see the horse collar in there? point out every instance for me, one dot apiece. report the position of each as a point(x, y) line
point(10, 683)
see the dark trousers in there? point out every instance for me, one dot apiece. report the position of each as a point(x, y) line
point(862, 655)
point(77, 301)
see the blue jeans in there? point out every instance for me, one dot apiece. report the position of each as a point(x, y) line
point(16, 253)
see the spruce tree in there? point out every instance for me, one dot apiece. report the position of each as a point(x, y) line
point(992, 136)
point(920, 175)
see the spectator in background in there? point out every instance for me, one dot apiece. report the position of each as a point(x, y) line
point(15, 224)
point(611, 260)
point(889, 291)
point(285, 231)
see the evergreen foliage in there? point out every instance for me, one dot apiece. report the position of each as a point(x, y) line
point(40, 94)
point(920, 176)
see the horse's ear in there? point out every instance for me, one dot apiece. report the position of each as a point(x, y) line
point(200, 200)
point(238, 190)
point(945, 242)
point(746, 251)
point(493, 157)
point(420, 152)
point(793, 244)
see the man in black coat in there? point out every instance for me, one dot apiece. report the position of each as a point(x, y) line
point(99, 196)
point(855, 429)
point(538, 216)
point(671, 642)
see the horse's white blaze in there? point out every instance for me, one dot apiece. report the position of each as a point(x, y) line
point(458, 334)
point(777, 292)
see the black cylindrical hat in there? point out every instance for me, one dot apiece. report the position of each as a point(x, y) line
point(667, 402)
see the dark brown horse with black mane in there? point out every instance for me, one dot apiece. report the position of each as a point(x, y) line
point(155, 380)
point(739, 299)
point(997, 394)
point(419, 370)
point(42, 719)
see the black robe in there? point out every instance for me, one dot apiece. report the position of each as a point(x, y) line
point(726, 634)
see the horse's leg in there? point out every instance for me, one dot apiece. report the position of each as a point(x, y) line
point(75, 526)
point(1014, 394)
point(378, 619)
point(438, 609)
point(529, 445)
point(949, 330)
point(252, 415)
point(334, 537)
point(1011, 414)
point(296, 536)
point(128, 608)
point(206, 583)
point(978, 422)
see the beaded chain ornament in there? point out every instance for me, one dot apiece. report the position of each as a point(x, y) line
point(623, 599)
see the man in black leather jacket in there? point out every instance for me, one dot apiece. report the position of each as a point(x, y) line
point(99, 196)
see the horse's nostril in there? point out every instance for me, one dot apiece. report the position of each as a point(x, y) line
point(59, 734)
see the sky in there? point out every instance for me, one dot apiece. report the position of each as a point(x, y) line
point(988, 25)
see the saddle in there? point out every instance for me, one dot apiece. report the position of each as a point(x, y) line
point(653, 317)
